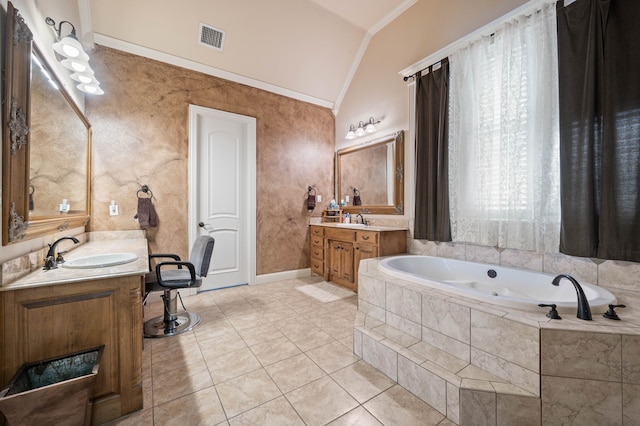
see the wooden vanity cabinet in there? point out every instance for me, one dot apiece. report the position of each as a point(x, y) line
point(54, 320)
point(341, 263)
point(317, 250)
point(336, 252)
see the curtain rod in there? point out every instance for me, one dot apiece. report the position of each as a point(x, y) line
point(433, 67)
point(490, 28)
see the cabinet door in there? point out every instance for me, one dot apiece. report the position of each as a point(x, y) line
point(340, 265)
point(347, 262)
point(335, 259)
point(363, 251)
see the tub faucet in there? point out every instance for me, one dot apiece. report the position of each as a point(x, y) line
point(584, 311)
point(50, 260)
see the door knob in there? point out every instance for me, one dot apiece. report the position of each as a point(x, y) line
point(205, 226)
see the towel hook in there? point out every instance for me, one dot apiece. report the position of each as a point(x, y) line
point(146, 190)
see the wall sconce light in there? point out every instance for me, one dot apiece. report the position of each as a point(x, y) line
point(362, 129)
point(75, 58)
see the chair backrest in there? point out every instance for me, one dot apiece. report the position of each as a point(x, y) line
point(201, 254)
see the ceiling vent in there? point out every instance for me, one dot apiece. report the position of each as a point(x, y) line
point(212, 37)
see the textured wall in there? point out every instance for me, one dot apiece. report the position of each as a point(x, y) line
point(140, 136)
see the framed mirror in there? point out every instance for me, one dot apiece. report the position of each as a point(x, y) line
point(46, 150)
point(374, 173)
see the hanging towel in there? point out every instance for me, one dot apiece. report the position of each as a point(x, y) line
point(311, 202)
point(146, 215)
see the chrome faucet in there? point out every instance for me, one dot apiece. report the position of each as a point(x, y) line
point(50, 260)
point(584, 311)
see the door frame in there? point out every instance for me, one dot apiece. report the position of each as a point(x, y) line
point(195, 113)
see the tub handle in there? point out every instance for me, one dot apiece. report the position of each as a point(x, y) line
point(611, 313)
point(553, 313)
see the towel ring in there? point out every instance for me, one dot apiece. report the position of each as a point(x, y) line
point(146, 190)
point(311, 191)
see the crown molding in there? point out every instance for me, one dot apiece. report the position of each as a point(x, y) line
point(206, 69)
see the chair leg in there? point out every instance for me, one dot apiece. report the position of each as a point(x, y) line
point(171, 322)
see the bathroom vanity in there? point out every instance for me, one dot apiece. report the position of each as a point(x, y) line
point(56, 312)
point(336, 249)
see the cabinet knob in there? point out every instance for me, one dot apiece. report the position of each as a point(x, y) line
point(365, 237)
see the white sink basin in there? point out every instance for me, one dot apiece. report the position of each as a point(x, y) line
point(351, 225)
point(100, 260)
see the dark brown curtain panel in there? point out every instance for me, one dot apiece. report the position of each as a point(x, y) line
point(432, 176)
point(599, 81)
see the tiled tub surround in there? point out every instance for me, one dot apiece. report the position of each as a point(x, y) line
point(483, 364)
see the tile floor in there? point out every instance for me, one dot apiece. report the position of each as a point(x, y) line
point(269, 355)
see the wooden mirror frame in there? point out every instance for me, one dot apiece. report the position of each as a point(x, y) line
point(398, 187)
point(16, 136)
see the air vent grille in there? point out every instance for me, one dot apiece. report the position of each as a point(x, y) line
point(212, 37)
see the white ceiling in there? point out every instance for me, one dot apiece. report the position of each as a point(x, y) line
point(306, 49)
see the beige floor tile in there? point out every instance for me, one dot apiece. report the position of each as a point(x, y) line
point(247, 320)
point(247, 392)
point(356, 417)
point(338, 327)
point(397, 406)
point(311, 339)
point(298, 340)
point(227, 343)
point(297, 325)
point(347, 341)
point(274, 350)
point(181, 354)
point(276, 412)
point(362, 381)
point(138, 418)
point(213, 330)
point(332, 357)
point(199, 408)
point(261, 333)
point(180, 382)
point(232, 364)
point(147, 392)
point(321, 401)
point(291, 373)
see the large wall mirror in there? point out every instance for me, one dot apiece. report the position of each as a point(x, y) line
point(46, 145)
point(374, 173)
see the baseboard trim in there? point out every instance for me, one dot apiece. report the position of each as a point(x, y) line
point(281, 276)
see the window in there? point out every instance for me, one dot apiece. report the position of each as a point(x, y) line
point(503, 144)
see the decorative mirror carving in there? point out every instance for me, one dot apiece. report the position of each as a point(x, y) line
point(375, 173)
point(43, 127)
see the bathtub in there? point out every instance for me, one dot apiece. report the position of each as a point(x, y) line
point(515, 288)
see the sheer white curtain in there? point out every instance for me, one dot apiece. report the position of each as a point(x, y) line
point(503, 137)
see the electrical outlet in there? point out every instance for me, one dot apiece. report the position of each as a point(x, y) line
point(113, 209)
point(319, 197)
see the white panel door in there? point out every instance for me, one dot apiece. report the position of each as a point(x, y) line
point(222, 194)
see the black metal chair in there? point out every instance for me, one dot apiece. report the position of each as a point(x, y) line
point(169, 276)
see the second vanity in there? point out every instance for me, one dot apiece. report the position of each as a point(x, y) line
point(336, 249)
point(51, 313)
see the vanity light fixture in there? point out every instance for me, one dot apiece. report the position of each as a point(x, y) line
point(370, 127)
point(74, 58)
point(351, 134)
point(362, 129)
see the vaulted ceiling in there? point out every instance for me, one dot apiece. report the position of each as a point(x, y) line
point(306, 49)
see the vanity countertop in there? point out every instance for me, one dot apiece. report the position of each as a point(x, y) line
point(62, 275)
point(359, 227)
